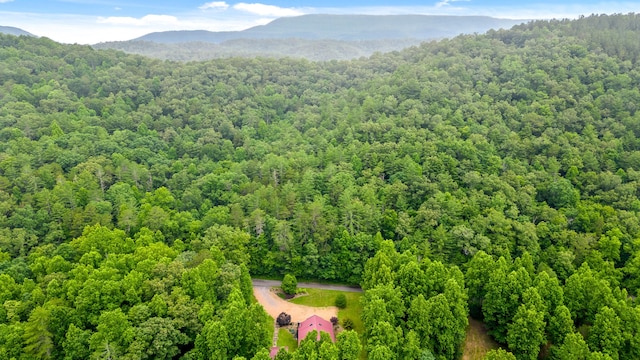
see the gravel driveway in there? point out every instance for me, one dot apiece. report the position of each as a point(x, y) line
point(274, 305)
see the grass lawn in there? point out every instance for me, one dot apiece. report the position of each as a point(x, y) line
point(285, 338)
point(319, 298)
point(478, 341)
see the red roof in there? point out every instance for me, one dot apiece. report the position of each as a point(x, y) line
point(315, 323)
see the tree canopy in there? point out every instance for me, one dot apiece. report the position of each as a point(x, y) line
point(498, 173)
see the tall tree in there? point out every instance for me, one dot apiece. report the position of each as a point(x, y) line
point(38, 338)
point(348, 344)
point(526, 333)
point(606, 333)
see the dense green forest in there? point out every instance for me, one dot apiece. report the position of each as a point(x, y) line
point(495, 175)
point(314, 50)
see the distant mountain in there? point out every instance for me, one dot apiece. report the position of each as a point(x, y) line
point(14, 31)
point(314, 37)
point(345, 27)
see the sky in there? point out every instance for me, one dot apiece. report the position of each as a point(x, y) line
point(94, 21)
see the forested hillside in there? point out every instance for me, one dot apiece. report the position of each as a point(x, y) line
point(496, 175)
point(314, 50)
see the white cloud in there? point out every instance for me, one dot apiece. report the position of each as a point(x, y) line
point(267, 10)
point(86, 29)
point(215, 5)
point(5, 1)
point(448, 3)
point(143, 21)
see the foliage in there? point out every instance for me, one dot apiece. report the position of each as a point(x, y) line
point(349, 345)
point(334, 320)
point(37, 337)
point(499, 354)
point(435, 305)
point(289, 284)
point(347, 324)
point(283, 319)
point(341, 301)
point(311, 49)
point(474, 172)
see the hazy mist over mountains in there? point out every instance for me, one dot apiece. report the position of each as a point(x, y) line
point(315, 37)
point(346, 27)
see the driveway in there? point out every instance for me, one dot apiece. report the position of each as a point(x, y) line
point(274, 305)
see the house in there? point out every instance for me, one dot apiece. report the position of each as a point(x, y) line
point(315, 323)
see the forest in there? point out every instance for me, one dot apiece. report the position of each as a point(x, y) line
point(494, 176)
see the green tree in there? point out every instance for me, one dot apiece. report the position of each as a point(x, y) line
point(263, 354)
point(199, 282)
point(525, 333)
point(38, 339)
point(573, 347)
point(550, 292)
point(384, 334)
point(412, 348)
point(247, 327)
point(479, 268)
point(213, 342)
point(411, 280)
point(381, 352)
point(504, 293)
point(606, 333)
point(328, 350)
point(232, 242)
point(12, 343)
point(609, 245)
point(76, 343)
point(348, 343)
point(157, 338)
point(308, 348)
point(113, 336)
point(446, 329)
point(586, 294)
point(289, 284)
point(560, 324)
point(499, 354)
point(560, 193)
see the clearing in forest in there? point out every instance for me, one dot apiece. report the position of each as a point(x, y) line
point(478, 341)
point(319, 297)
point(274, 305)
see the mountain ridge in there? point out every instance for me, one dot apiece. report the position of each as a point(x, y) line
point(314, 37)
point(10, 30)
point(344, 27)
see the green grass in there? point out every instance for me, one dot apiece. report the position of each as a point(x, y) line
point(320, 298)
point(478, 342)
point(285, 338)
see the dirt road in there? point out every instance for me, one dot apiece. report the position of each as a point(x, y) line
point(275, 283)
point(275, 305)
